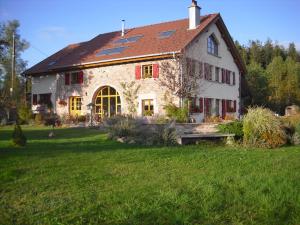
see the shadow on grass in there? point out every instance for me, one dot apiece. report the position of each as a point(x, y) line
point(60, 133)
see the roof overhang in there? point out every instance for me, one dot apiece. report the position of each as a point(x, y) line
point(110, 62)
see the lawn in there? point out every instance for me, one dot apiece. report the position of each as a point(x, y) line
point(80, 177)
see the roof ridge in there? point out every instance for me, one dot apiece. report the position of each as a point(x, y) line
point(150, 25)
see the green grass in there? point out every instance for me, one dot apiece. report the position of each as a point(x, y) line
point(79, 177)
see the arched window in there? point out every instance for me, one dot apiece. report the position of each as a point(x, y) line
point(212, 45)
point(107, 102)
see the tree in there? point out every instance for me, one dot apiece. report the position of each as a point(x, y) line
point(284, 82)
point(258, 84)
point(292, 52)
point(292, 82)
point(6, 36)
point(276, 72)
point(182, 77)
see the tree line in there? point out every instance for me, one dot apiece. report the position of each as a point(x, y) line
point(273, 74)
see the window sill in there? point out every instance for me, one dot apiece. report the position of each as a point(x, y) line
point(217, 56)
point(218, 82)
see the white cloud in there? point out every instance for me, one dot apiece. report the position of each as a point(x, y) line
point(53, 32)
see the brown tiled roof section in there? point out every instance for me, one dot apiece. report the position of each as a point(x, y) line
point(148, 44)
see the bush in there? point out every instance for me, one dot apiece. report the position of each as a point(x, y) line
point(263, 129)
point(212, 119)
point(180, 115)
point(38, 119)
point(164, 135)
point(18, 137)
point(122, 127)
point(296, 136)
point(290, 123)
point(25, 114)
point(130, 130)
point(82, 119)
point(235, 127)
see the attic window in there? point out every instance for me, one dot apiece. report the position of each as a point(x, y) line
point(166, 34)
point(83, 52)
point(51, 63)
point(111, 51)
point(212, 45)
point(129, 40)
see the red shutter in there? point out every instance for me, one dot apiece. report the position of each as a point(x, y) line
point(67, 78)
point(206, 105)
point(234, 105)
point(155, 70)
point(34, 99)
point(195, 104)
point(233, 78)
point(138, 72)
point(201, 105)
point(223, 108)
point(223, 75)
point(80, 78)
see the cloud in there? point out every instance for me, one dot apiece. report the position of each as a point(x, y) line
point(53, 32)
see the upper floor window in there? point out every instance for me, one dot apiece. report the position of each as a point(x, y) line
point(147, 71)
point(74, 78)
point(212, 45)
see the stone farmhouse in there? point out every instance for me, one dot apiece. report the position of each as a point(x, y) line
point(93, 71)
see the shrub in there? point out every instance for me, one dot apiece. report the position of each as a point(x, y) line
point(38, 119)
point(130, 130)
point(263, 129)
point(296, 135)
point(235, 127)
point(164, 135)
point(229, 117)
point(180, 115)
point(25, 114)
point(82, 119)
point(18, 137)
point(122, 127)
point(213, 119)
point(290, 123)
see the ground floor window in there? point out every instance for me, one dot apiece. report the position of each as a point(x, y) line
point(208, 107)
point(75, 105)
point(107, 102)
point(148, 107)
point(45, 99)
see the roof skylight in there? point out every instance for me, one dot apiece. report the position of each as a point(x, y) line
point(51, 63)
point(129, 40)
point(166, 34)
point(111, 51)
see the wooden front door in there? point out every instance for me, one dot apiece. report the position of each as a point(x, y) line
point(75, 106)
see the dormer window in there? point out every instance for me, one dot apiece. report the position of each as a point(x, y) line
point(212, 45)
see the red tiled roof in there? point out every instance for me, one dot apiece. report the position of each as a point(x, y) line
point(149, 44)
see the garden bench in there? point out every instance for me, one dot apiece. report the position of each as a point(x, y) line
point(192, 138)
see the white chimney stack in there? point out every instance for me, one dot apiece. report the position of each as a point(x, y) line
point(194, 15)
point(123, 28)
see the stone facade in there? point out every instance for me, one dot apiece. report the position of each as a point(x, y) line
point(95, 78)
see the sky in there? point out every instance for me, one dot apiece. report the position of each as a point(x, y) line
point(51, 25)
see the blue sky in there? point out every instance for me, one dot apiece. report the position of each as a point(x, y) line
point(51, 25)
